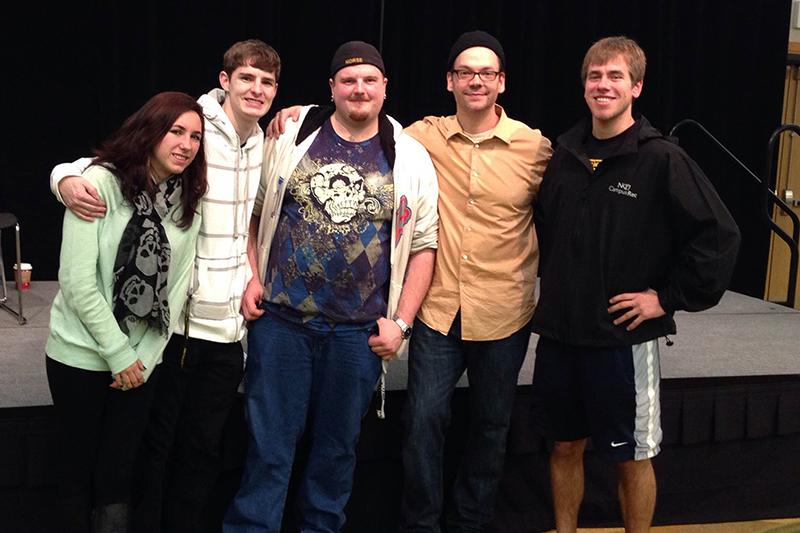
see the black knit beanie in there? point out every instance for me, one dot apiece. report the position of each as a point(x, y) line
point(476, 38)
point(356, 53)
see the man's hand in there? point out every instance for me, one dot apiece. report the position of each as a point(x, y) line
point(81, 198)
point(641, 306)
point(386, 343)
point(130, 378)
point(277, 125)
point(251, 298)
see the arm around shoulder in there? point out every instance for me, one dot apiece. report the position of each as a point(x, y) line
point(64, 170)
point(74, 191)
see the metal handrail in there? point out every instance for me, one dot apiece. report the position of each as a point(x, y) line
point(793, 257)
point(769, 195)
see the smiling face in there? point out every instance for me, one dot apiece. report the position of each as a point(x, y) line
point(358, 92)
point(476, 95)
point(609, 92)
point(250, 92)
point(178, 147)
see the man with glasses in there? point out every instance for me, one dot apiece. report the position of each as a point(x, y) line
point(476, 314)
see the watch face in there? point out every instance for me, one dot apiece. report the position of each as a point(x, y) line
point(407, 332)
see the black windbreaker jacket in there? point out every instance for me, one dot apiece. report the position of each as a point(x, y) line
point(646, 218)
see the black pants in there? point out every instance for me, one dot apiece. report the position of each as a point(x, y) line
point(180, 459)
point(99, 432)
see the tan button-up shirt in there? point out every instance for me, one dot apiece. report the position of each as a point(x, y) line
point(487, 260)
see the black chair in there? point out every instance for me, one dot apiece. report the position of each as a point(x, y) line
point(7, 220)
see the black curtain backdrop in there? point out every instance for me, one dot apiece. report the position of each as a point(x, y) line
point(75, 70)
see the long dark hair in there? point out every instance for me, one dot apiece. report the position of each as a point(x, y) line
point(129, 149)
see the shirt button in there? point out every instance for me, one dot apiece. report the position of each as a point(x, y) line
point(477, 146)
point(471, 202)
point(465, 257)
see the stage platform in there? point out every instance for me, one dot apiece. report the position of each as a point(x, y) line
point(742, 336)
point(730, 413)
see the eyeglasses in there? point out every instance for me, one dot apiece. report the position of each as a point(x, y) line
point(468, 75)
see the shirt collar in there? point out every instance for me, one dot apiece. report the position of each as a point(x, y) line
point(502, 130)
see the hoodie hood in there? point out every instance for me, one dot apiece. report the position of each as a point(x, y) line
point(215, 116)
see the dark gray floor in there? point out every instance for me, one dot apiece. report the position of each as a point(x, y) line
point(742, 336)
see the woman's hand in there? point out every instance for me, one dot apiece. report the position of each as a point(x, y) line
point(130, 378)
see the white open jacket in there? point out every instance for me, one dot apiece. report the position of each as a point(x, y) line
point(415, 187)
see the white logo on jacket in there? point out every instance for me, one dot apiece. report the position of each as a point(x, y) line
point(623, 188)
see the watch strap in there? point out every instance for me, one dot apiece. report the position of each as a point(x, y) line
point(404, 327)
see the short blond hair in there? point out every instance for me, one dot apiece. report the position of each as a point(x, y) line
point(610, 47)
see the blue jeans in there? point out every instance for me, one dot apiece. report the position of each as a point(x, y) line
point(435, 364)
point(302, 379)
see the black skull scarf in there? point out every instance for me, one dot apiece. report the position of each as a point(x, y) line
point(142, 263)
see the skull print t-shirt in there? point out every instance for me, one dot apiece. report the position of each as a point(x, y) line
point(329, 257)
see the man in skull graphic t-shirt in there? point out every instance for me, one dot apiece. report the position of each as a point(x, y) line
point(332, 263)
point(344, 232)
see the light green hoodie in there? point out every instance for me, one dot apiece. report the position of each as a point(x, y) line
point(83, 331)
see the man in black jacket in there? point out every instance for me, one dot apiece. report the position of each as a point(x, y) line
point(630, 231)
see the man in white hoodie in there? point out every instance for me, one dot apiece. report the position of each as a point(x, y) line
point(203, 362)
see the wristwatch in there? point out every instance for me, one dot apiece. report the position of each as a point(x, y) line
point(404, 328)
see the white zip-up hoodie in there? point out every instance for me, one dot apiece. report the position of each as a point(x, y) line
point(221, 267)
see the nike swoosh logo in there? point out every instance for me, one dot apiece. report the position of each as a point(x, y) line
point(618, 444)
